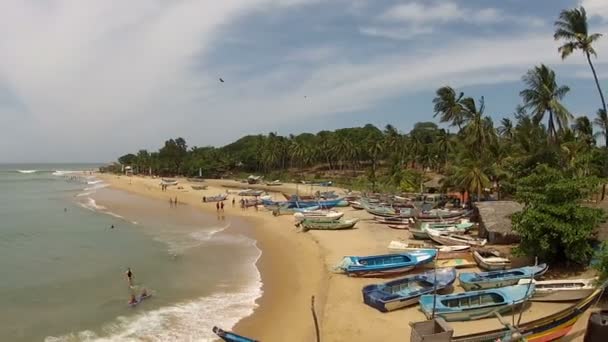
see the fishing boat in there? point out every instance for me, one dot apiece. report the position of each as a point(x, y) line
point(492, 279)
point(439, 214)
point(389, 212)
point(281, 210)
point(393, 220)
point(399, 226)
point(251, 192)
point(468, 306)
point(198, 187)
point(565, 290)
point(419, 234)
point(167, 181)
point(448, 227)
point(549, 328)
point(231, 337)
point(490, 260)
point(274, 183)
point(387, 264)
point(356, 205)
point(195, 180)
point(454, 239)
point(318, 215)
point(402, 246)
point(399, 293)
point(464, 261)
point(308, 224)
point(216, 198)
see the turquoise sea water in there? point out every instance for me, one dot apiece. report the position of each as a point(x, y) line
point(63, 266)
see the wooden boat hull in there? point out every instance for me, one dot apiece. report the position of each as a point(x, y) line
point(406, 291)
point(451, 239)
point(475, 305)
point(383, 265)
point(465, 262)
point(496, 279)
point(492, 263)
point(399, 226)
point(231, 337)
point(419, 234)
point(566, 290)
point(333, 225)
point(545, 329)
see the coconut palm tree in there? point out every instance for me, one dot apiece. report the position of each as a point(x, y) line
point(543, 96)
point(583, 130)
point(471, 174)
point(602, 122)
point(448, 105)
point(506, 129)
point(572, 27)
point(479, 131)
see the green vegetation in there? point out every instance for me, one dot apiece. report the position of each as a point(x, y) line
point(554, 225)
point(541, 155)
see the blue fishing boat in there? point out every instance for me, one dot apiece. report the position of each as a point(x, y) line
point(399, 293)
point(467, 306)
point(323, 204)
point(381, 265)
point(493, 279)
point(231, 337)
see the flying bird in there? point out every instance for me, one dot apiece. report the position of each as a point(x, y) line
point(221, 80)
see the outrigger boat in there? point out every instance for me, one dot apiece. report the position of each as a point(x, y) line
point(490, 260)
point(327, 224)
point(381, 265)
point(493, 279)
point(561, 290)
point(404, 292)
point(467, 306)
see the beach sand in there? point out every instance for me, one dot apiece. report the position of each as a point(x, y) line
point(294, 266)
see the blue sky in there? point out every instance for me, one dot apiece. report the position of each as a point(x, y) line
point(89, 81)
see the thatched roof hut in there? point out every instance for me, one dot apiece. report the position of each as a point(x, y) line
point(495, 221)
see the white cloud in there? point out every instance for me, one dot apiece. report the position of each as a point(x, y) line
point(596, 8)
point(405, 21)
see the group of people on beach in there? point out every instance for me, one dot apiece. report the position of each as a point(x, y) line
point(163, 187)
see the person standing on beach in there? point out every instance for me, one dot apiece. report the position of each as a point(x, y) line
point(176, 201)
point(217, 206)
point(222, 206)
point(233, 202)
point(170, 202)
point(129, 275)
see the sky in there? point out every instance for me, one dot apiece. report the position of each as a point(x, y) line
point(88, 81)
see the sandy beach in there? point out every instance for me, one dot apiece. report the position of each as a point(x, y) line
point(294, 266)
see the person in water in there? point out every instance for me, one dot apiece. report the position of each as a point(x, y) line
point(129, 276)
point(144, 293)
point(133, 300)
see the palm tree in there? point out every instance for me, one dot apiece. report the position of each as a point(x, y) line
point(543, 95)
point(479, 131)
point(506, 129)
point(602, 122)
point(583, 130)
point(449, 106)
point(572, 27)
point(471, 174)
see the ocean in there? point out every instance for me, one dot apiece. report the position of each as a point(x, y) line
point(62, 264)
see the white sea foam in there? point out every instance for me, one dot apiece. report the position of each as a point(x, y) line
point(190, 321)
point(27, 171)
point(96, 186)
point(64, 172)
point(97, 181)
point(178, 243)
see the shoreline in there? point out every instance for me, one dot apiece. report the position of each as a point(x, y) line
point(291, 269)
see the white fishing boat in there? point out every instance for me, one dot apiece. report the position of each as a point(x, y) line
point(454, 240)
point(490, 260)
point(561, 290)
point(318, 214)
point(402, 246)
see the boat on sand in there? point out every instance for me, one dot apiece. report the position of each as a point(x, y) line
point(468, 306)
point(493, 279)
point(563, 290)
point(403, 292)
point(382, 265)
point(490, 260)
